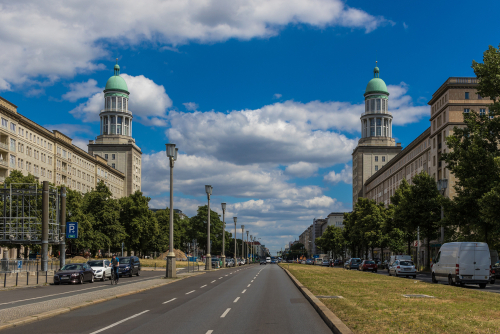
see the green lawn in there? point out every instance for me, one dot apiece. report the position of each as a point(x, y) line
point(374, 303)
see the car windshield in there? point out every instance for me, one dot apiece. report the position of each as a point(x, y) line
point(369, 262)
point(124, 260)
point(356, 260)
point(406, 263)
point(72, 267)
point(95, 264)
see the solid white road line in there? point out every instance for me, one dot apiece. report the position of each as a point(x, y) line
point(187, 293)
point(203, 286)
point(236, 300)
point(225, 313)
point(119, 322)
point(248, 285)
point(243, 291)
point(213, 281)
point(209, 332)
point(168, 301)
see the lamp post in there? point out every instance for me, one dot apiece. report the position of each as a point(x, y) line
point(208, 264)
point(251, 247)
point(223, 256)
point(442, 185)
point(235, 219)
point(171, 267)
point(242, 242)
point(248, 258)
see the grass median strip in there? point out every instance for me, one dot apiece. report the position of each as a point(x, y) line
point(376, 303)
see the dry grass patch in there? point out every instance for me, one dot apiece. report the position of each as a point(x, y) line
point(375, 303)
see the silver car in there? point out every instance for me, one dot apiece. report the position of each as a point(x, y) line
point(403, 268)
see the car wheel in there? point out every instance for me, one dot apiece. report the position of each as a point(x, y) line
point(482, 285)
point(414, 276)
point(92, 279)
point(450, 281)
point(434, 280)
point(80, 280)
point(56, 283)
point(103, 278)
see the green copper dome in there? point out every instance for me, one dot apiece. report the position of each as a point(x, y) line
point(376, 85)
point(116, 82)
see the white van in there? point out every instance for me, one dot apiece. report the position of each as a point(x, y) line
point(462, 263)
point(268, 260)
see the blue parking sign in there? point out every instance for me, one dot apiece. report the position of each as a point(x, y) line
point(71, 230)
point(19, 264)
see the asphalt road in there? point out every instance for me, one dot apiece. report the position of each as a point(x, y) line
point(246, 299)
point(426, 277)
point(29, 295)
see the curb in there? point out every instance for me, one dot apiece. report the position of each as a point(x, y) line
point(49, 314)
point(331, 320)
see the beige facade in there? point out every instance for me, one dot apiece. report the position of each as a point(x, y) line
point(51, 155)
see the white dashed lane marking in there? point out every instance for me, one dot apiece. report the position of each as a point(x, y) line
point(243, 291)
point(187, 293)
point(248, 285)
point(225, 313)
point(236, 300)
point(171, 300)
point(203, 286)
point(213, 281)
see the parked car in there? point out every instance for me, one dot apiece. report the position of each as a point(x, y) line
point(463, 263)
point(303, 261)
point(325, 263)
point(263, 261)
point(353, 263)
point(309, 262)
point(403, 268)
point(397, 257)
point(496, 269)
point(101, 268)
point(74, 273)
point(129, 265)
point(368, 265)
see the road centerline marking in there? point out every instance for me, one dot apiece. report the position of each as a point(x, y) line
point(168, 301)
point(251, 281)
point(243, 291)
point(187, 293)
point(225, 313)
point(118, 322)
point(248, 285)
point(203, 286)
point(209, 332)
point(213, 281)
point(236, 300)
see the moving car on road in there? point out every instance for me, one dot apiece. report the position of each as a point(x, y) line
point(101, 268)
point(263, 261)
point(325, 263)
point(368, 265)
point(403, 268)
point(74, 273)
point(463, 263)
point(129, 265)
point(353, 263)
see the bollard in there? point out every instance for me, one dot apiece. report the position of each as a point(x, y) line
point(17, 276)
point(46, 276)
point(37, 277)
point(27, 278)
point(4, 280)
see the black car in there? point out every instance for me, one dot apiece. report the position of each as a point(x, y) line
point(129, 265)
point(496, 269)
point(263, 261)
point(74, 273)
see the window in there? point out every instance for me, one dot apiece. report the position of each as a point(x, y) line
point(376, 158)
point(113, 165)
point(13, 127)
point(466, 110)
point(383, 159)
point(5, 123)
point(376, 167)
point(113, 102)
point(482, 112)
point(466, 95)
point(106, 156)
point(378, 105)
point(112, 157)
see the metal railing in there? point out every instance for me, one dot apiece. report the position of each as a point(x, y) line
point(375, 113)
point(4, 145)
point(4, 163)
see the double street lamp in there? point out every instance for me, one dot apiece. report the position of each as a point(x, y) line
point(242, 242)
point(248, 258)
point(235, 219)
point(171, 267)
point(208, 265)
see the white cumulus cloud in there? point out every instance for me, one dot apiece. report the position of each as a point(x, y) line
point(345, 176)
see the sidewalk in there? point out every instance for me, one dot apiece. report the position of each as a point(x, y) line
point(27, 313)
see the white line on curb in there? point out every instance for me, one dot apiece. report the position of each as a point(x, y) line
point(168, 301)
point(225, 313)
point(236, 300)
point(187, 293)
point(119, 322)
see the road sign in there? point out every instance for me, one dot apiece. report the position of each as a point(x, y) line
point(417, 243)
point(19, 264)
point(71, 230)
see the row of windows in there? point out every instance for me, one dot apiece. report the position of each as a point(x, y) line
point(376, 105)
point(376, 158)
point(116, 125)
point(116, 103)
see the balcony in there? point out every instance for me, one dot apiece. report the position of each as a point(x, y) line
point(4, 146)
point(13, 147)
point(116, 110)
point(4, 163)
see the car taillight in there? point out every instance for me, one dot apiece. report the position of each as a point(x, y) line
point(398, 267)
point(457, 269)
point(375, 266)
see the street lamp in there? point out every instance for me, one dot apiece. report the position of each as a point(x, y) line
point(242, 242)
point(235, 219)
point(223, 256)
point(251, 247)
point(171, 267)
point(248, 259)
point(208, 265)
point(442, 185)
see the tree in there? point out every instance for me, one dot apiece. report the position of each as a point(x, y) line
point(332, 240)
point(472, 157)
point(198, 229)
point(401, 216)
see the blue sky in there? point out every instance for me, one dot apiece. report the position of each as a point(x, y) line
point(262, 97)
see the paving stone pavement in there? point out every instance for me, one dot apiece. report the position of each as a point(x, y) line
point(14, 313)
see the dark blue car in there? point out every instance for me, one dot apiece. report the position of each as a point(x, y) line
point(129, 266)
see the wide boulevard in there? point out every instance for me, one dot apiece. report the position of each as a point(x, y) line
point(248, 299)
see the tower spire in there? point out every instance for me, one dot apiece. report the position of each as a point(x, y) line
point(376, 70)
point(117, 68)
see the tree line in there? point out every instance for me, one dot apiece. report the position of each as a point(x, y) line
point(473, 214)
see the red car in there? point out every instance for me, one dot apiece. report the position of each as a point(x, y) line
point(368, 265)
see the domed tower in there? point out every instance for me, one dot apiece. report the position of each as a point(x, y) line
point(115, 142)
point(376, 145)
